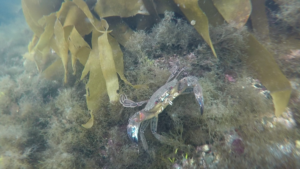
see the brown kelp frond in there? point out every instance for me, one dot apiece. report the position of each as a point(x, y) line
point(235, 13)
point(63, 31)
point(197, 18)
point(119, 8)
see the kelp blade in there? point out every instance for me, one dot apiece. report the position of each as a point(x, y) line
point(47, 35)
point(121, 31)
point(235, 12)
point(259, 19)
point(106, 8)
point(262, 62)
point(71, 16)
point(166, 5)
point(193, 12)
point(62, 45)
point(34, 26)
point(90, 123)
point(35, 9)
point(211, 12)
point(118, 59)
point(108, 67)
point(96, 85)
point(79, 48)
point(98, 25)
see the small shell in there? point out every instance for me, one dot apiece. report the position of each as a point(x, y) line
point(193, 22)
point(205, 148)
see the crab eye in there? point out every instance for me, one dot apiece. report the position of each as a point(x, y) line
point(156, 102)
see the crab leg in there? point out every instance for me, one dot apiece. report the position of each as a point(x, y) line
point(129, 103)
point(175, 73)
point(161, 138)
point(143, 127)
point(190, 84)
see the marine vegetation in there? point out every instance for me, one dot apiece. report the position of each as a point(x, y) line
point(62, 28)
point(60, 102)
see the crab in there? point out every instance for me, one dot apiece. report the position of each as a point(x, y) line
point(160, 99)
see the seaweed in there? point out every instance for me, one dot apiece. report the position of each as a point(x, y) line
point(108, 67)
point(197, 18)
point(34, 10)
point(41, 120)
point(63, 32)
point(235, 12)
point(259, 20)
point(62, 46)
point(263, 63)
point(119, 8)
point(79, 48)
point(96, 86)
point(264, 60)
point(121, 31)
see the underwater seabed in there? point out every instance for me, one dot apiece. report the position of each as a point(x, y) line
point(41, 120)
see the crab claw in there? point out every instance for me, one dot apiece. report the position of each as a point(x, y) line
point(199, 96)
point(133, 131)
point(189, 82)
point(134, 126)
point(201, 103)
